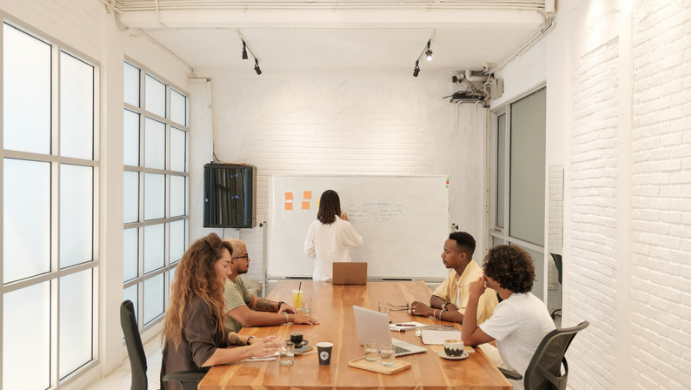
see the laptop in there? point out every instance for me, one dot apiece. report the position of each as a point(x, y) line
point(374, 325)
point(349, 273)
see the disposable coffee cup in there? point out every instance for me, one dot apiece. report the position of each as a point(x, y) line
point(324, 350)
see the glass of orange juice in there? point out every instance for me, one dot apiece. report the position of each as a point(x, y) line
point(297, 299)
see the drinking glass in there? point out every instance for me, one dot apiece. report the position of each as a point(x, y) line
point(307, 306)
point(388, 355)
point(371, 350)
point(297, 299)
point(286, 353)
point(384, 307)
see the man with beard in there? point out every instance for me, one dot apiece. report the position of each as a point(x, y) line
point(245, 309)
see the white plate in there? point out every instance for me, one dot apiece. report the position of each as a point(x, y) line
point(443, 354)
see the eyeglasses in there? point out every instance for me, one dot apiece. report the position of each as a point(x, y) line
point(247, 256)
point(405, 307)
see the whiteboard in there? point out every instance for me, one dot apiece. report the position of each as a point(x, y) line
point(404, 221)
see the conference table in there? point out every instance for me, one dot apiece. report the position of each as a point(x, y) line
point(333, 308)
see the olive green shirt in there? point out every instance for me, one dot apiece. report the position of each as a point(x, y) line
point(236, 294)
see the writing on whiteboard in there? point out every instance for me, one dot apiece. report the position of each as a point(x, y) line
point(370, 212)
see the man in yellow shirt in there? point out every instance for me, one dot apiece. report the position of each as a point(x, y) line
point(450, 299)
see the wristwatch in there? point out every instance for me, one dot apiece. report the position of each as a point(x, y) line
point(443, 305)
point(248, 339)
point(279, 304)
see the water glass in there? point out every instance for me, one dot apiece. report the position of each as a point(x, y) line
point(371, 350)
point(388, 355)
point(286, 353)
point(306, 306)
point(384, 307)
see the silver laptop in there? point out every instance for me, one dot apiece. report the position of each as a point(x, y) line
point(374, 325)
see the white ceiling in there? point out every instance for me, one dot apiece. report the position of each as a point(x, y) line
point(336, 35)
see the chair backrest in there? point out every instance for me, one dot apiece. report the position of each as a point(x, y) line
point(135, 349)
point(557, 263)
point(544, 370)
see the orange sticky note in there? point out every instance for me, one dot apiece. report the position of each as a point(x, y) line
point(305, 205)
point(289, 196)
point(289, 206)
point(307, 195)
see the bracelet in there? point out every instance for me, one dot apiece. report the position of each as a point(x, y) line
point(287, 318)
point(435, 313)
point(440, 313)
point(250, 338)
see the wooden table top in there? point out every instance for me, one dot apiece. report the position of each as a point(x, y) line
point(332, 307)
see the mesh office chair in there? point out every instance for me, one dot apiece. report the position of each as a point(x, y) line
point(135, 350)
point(544, 370)
point(558, 264)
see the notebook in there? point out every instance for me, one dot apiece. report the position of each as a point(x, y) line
point(349, 273)
point(438, 334)
point(374, 325)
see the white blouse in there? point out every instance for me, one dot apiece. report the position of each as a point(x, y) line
point(327, 244)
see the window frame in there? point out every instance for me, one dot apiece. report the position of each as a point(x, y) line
point(142, 170)
point(495, 231)
point(56, 274)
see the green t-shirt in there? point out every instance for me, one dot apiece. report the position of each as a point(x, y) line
point(236, 294)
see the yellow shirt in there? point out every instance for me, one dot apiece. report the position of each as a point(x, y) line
point(455, 290)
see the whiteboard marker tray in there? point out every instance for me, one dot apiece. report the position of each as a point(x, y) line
point(363, 364)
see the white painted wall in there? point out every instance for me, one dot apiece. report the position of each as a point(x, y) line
point(618, 120)
point(358, 123)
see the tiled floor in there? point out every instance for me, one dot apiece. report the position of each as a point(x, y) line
point(121, 379)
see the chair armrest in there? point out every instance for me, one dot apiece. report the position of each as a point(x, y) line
point(511, 374)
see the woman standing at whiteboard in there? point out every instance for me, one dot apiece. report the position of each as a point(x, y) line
point(330, 236)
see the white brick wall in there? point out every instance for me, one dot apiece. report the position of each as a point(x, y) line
point(308, 124)
point(661, 196)
point(592, 183)
point(57, 19)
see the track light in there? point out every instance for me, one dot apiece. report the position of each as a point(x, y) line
point(428, 55)
point(256, 67)
point(244, 50)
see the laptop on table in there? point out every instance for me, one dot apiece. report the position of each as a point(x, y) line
point(349, 273)
point(374, 325)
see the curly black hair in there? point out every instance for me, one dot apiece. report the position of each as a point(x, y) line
point(511, 267)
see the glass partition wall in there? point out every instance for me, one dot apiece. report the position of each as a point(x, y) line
point(517, 208)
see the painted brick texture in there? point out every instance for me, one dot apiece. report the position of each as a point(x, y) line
point(661, 193)
point(326, 126)
point(592, 182)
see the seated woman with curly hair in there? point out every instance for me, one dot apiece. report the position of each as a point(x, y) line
point(520, 321)
point(194, 334)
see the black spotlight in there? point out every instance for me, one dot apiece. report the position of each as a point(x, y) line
point(416, 71)
point(244, 50)
point(256, 67)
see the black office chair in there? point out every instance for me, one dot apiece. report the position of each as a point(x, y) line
point(558, 264)
point(135, 350)
point(544, 370)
